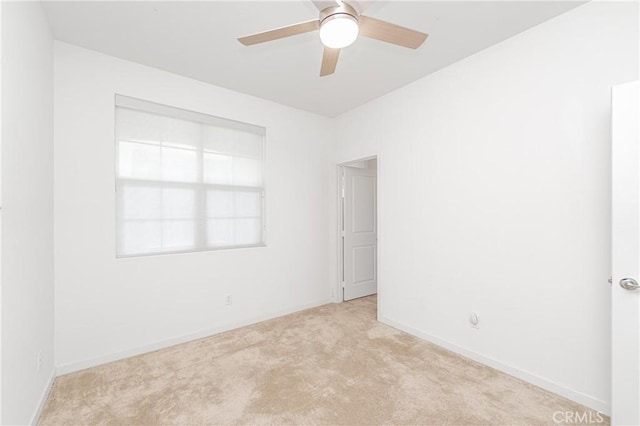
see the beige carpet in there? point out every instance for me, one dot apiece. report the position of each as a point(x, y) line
point(326, 366)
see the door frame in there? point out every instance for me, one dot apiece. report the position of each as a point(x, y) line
point(337, 288)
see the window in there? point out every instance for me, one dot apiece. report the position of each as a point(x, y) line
point(186, 181)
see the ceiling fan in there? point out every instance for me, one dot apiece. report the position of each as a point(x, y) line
point(340, 24)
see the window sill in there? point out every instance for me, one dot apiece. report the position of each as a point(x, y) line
point(214, 249)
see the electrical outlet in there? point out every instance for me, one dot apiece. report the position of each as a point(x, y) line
point(228, 300)
point(39, 361)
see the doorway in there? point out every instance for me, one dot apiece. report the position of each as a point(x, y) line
point(357, 229)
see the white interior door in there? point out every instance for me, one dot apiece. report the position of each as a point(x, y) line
point(625, 293)
point(360, 249)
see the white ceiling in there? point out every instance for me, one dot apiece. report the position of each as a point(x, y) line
point(198, 40)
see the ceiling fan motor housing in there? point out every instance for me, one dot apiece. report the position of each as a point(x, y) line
point(338, 12)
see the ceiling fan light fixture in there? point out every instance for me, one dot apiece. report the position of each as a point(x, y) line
point(339, 30)
point(340, 24)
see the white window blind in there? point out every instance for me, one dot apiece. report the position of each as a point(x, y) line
point(186, 181)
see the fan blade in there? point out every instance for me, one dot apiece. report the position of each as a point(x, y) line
point(288, 31)
point(329, 61)
point(360, 5)
point(323, 4)
point(391, 33)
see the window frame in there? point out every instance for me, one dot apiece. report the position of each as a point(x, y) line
point(200, 187)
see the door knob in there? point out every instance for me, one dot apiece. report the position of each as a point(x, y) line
point(629, 284)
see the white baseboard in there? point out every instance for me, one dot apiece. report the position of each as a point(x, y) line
point(82, 365)
point(536, 380)
point(43, 398)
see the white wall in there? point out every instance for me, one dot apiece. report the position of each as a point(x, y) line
point(107, 308)
point(27, 210)
point(494, 197)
